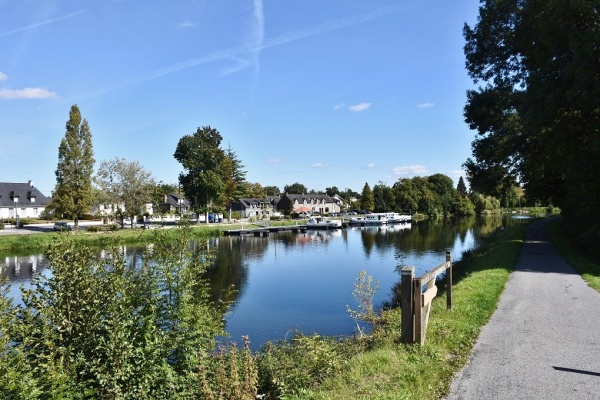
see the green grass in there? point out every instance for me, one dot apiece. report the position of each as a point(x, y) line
point(393, 370)
point(26, 243)
point(584, 265)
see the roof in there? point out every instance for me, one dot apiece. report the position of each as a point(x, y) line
point(258, 201)
point(308, 197)
point(173, 199)
point(25, 192)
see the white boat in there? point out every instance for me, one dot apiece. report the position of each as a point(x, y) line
point(396, 218)
point(369, 219)
point(319, 222)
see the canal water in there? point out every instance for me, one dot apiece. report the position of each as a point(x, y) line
point(288, 282)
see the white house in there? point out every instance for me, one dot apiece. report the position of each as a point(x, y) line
point(21, 200)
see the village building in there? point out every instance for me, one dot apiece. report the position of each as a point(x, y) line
point(21, 200)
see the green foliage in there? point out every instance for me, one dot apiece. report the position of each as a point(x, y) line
point(295, 188)
point(461, 187)
point(73, 194)
point(537, 116)
point(125, 184)
point(101, 328)
point(289, 367)
point(202, 160)
point(383, 198)
point(367, 200)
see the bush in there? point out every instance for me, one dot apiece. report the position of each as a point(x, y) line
point(288, 367)
point(98, 328)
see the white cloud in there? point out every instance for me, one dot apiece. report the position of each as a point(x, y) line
point(409, 170)
point(3, 76)
point(27, 93)
point(274, 161)
point(371, 166)
point(426, 105)
point(319, 165)
point(187, 24)
point(456, 174)
point(359, 107)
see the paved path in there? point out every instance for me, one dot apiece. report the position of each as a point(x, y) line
point(543, 341)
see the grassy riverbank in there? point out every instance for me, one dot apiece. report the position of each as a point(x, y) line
point(586, 266)
point(38, 242)
point(392, 370)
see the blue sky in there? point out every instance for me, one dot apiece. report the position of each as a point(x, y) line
point(325, 93)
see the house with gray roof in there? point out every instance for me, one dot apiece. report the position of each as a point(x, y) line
point(308, 203)
point(21, 200)
point(261, 207)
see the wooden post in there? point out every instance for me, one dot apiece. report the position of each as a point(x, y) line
point(449, 281)
point(418, 301)
point(407, 304)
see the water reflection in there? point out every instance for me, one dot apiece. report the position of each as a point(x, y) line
point(304, 281)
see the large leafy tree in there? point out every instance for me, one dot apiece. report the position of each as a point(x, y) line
point(202, 159)
point(537, 113)
point(383, 197)
point(272, 191)
point(73, 194)
point(126, 184)
point(444, 193)
point(295, 188)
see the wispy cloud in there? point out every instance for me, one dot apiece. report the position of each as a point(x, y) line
point(371, 166)
point(457, 173)
point(319, 165)
point(3, 76)
point(257, 44)
point(275, 161)
point(354, 108)
point(187, 24)
point(42, 23)
point(409, 170)
point(359, 107)
point(425, 105)
point(27, 93)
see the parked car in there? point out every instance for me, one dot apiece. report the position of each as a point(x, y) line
point(62, 226)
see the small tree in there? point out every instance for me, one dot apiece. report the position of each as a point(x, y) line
point(367, 200)
point(126, 184)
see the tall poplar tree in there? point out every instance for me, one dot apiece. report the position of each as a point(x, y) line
point(73, 194)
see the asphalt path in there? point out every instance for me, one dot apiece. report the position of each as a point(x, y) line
point(543, 341)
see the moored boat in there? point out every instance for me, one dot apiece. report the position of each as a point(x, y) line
point(319, 222)
point(396, 218)
point(369, 219)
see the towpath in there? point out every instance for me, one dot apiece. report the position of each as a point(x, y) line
point(543, 341)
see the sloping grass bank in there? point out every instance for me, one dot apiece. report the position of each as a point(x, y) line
point(583, 264)
point(38, 242)
point(392, 370)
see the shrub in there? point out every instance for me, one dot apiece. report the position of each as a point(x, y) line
point(288, 367)
point(99, 328)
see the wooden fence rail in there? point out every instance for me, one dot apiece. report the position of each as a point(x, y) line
point(416, 303)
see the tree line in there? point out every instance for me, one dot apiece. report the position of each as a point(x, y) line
point(214, 177)
point(536, 110)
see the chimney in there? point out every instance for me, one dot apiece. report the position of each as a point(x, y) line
point(165, 199)
point(30, 183)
